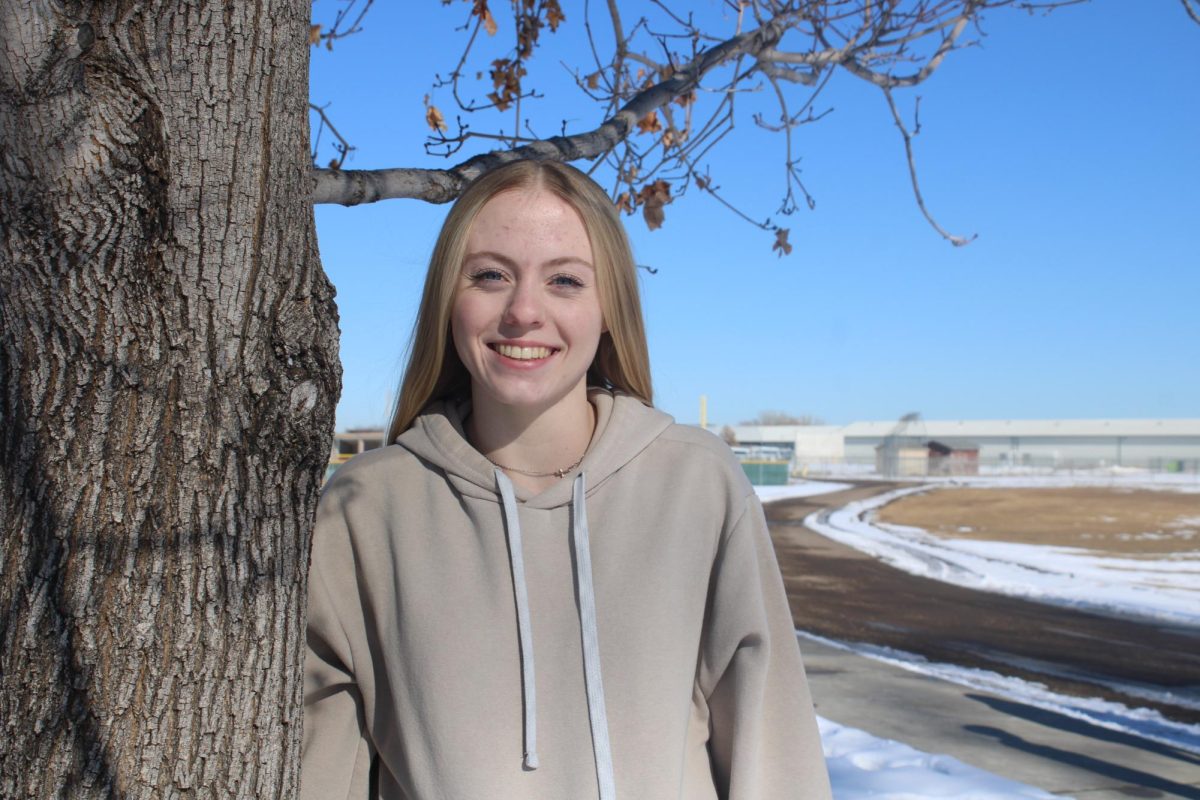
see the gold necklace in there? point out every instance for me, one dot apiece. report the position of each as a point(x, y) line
point(557, 473)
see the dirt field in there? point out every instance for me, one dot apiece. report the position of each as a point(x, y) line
point(1129, 522)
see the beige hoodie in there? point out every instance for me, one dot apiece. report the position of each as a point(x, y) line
point(463, 650)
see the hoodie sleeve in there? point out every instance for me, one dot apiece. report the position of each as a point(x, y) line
point(336, 758)
point(763, 742)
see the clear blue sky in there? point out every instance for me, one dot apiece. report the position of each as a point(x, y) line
point(1069, 143)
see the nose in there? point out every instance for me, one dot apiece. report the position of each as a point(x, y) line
point(525, 309)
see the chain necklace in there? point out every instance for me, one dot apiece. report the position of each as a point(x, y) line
point(554, 473)
point(557, 473)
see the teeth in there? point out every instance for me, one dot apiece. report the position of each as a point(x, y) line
point(523, 353)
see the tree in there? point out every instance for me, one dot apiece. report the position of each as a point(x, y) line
point(783, 418)
point(168, 366)
point(168, 375)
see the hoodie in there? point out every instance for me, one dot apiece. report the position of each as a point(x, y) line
point(622, 634)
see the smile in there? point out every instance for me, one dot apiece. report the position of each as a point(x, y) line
point(522, 353)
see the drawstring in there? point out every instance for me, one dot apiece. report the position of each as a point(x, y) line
point(597, 716)
point(516, 560)
point(591, 645)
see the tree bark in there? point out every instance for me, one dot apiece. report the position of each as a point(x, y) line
point(168, 375)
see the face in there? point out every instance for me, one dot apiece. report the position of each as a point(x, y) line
point(526, 319)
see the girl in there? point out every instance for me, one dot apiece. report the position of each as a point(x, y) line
point(545, 588)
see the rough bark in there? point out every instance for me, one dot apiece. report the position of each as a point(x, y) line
point(168, 374)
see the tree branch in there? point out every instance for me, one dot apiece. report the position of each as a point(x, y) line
point(351, 187)
point(957, 241)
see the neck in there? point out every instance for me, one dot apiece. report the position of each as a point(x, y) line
point(533, 440)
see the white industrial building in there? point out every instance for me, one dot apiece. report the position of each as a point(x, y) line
point(1161, 445)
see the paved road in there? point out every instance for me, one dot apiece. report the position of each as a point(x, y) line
point(841, 594)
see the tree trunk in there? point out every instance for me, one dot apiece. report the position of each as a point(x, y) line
point(168, 374)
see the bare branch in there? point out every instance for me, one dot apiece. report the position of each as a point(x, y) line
point(1191, 11)
point(957, 241)
point(350, 187)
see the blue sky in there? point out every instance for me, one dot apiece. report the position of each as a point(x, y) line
point(1069, 143)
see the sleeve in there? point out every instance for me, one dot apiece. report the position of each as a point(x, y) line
point(763, 738)
point(335, 761)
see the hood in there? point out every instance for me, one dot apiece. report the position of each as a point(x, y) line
point(624, 428)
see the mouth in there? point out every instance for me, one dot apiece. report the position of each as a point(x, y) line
point(518, 353)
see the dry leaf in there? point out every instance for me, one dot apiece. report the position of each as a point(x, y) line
point(673, 138)
point(434, 119)
point(702, 182)
point(649, 123)
point(593, 80)
point(654, 216)
point(314, 34)
point(685, 100)
point(624, 203)
point(554, 15)
point(653, 197)
point(781, 242)
point(489, 22)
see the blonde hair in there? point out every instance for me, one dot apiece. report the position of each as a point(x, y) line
point(622, 360)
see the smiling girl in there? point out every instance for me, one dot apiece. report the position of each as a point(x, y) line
point(545, 588)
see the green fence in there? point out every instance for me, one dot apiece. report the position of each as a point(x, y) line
point(766, 473)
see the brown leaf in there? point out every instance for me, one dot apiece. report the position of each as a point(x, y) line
point(685, 100)
point(593, 80)
point(654, 216)
point(489, 22)
point(554, 15)
point(624, 203)
point(314, 34)
point(434, 118)
point(650, 123)
point(702, 182)
point(781, 242)
point(653, 196)
point(500, 103)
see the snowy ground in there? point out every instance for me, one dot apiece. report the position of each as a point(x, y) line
point(1164, 589)
point(862, 766)
point(1143, 723)
point(801, 489)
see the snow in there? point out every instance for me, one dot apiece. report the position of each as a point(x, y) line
point(769, 494)
point(1144, 723)
point(1162, 589)
point(863, 766)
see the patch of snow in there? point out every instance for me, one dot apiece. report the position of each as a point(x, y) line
point(1141, 722)
point(1166, 588)
point(769, 494)
point(862, 766)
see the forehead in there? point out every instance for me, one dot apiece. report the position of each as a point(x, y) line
point(529, 218)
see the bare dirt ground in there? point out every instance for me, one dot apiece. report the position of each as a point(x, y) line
point(842, 594)
point(1121, 521)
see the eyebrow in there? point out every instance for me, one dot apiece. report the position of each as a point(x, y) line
point(508, 262)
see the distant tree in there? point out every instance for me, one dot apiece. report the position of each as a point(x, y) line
point(783, 418)
point(729, 436)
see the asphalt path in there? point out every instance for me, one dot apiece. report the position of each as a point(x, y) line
point(845, 595)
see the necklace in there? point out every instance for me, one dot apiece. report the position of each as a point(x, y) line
point(557, 473)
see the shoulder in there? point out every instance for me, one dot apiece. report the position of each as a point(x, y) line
point(375, 471)
point(705, 456)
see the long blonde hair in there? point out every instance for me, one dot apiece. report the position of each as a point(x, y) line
point(622, 360)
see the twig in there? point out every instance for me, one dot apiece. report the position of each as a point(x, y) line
point(957, 241)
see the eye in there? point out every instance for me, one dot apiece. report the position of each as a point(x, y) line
point(562, 280)
point(486, 275)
